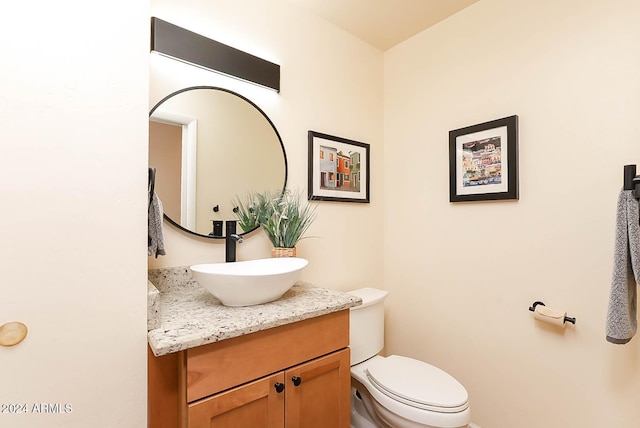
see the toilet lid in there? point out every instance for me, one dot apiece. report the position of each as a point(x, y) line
point(417, 384)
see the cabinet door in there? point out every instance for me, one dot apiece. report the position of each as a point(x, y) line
point(318, 393)
point(257, 404)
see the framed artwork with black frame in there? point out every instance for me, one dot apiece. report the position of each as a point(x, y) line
point(483, 161)
point(338, 169)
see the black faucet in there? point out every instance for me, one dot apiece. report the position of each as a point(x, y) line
point(231, 237)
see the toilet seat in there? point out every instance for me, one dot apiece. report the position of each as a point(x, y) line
point(417, 384)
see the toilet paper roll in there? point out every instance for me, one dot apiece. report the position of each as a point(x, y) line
point(548, 315)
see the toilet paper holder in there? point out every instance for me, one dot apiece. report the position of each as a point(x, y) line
point(532, 308)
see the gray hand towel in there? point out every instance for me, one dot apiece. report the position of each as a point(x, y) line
point(621, 317)
point(156, 234)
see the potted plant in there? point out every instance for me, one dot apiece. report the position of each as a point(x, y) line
point(282, 215)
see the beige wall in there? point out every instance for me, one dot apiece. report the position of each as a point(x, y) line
point(461, 276)
point(331, 83)
point(72, 236)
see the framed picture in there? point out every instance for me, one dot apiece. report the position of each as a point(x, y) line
point(338, 169)
point(483, 161)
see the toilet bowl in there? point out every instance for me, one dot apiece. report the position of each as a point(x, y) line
point(397, 391)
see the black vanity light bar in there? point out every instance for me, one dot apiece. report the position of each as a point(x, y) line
point(184, 45)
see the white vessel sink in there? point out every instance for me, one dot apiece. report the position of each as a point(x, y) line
point(249, 282)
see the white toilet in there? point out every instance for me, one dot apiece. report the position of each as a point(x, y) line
point(396, 391)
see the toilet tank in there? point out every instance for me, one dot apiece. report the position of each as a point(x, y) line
point(366, 329)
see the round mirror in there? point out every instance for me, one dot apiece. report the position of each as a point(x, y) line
point(210, 146)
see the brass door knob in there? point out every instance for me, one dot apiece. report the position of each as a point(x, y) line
point(12, 333)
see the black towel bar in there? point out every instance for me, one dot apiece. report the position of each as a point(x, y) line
point(631, 180)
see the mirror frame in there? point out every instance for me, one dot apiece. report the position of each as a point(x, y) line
point(284, 153)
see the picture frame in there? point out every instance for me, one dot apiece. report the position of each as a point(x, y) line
point(483, 161)
point(338, 169)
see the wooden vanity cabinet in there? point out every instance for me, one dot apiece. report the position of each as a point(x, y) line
point(256, 404)
point(293, 376)
point(314, 400)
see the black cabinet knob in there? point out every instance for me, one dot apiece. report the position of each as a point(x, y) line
point(296, 380)
point(279, 387)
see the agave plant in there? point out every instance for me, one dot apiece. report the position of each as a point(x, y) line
point(247, 211)
point(282, 215)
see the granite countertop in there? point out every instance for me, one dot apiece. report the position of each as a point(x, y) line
point(190, 316)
